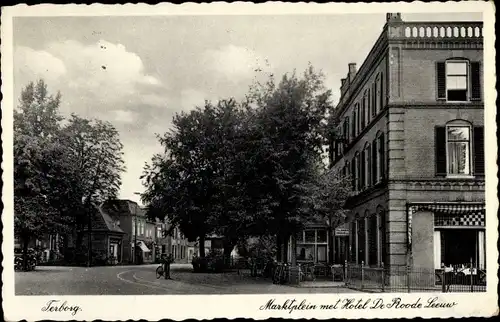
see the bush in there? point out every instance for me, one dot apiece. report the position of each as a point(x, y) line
point(212, 263)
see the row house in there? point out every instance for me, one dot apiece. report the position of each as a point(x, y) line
point(409, 133)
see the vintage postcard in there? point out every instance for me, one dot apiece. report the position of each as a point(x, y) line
point(296, 160)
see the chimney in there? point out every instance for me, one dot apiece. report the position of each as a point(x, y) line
point(352, 71)
point(393, 17)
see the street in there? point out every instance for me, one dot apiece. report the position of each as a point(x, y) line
point(141, 280)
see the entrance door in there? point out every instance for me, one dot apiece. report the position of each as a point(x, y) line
point(459, 246)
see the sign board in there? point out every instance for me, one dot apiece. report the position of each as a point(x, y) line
point(342, 231)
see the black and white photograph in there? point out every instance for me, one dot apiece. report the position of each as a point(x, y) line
point(287, 159)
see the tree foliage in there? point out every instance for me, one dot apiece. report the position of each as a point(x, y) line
point(246, 169)
point(57, 168)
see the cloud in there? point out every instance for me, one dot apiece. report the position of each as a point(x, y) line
point(235, 62)
point(123, 116)
point(39, 63)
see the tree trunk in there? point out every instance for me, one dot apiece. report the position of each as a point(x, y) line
point(202, 246)
point(228, 248)
point(26, 240)
point(89, 240)
point(285, 248)
point(331, 247)
point(293, 258)
point(278, 248)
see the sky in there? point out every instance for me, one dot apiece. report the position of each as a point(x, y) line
point(137, 72)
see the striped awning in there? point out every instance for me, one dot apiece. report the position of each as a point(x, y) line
point(453, 209)
point(449, 209)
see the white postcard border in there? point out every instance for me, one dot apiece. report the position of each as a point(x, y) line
point(181, 307)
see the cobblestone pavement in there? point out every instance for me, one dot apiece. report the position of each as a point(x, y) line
point(141, 280)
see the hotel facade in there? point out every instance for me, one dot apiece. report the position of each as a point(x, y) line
point(409, 133)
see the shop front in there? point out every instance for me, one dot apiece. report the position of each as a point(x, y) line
point(458, 235)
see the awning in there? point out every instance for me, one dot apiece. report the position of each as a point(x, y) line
point(143, 246)
point(457, 209)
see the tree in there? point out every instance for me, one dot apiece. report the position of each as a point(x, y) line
point(179, 183)
point(42, 178)
point(95, 151)
point(289, 128)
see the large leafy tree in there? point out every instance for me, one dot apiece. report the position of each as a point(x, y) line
point(95, 151)
point(290, 127)
point(42, 179)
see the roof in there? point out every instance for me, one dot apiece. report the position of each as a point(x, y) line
point(102, 221)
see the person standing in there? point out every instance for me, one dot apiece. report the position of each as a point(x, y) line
point(168, 260)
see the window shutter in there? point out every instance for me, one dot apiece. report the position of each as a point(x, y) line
point(374, 162)
point(478, 150)
point(440, 151)
point(475, 80)
point(441, 80)
point(382, 156)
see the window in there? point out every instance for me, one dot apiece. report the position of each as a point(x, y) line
point(372, 240)
point(459, 148)
point(361, 240)
point(347, 167)
point(381, 157)
point(368, 107)
point(367, 165)
point(358, 119)
point(353, 132)
point(354, 243)
point(382, 93)
point(382, 237)
point(363, 112)
point(374, 162)
point(346, 130)
point(458, 80)
point(133, 229)
point(458, 145)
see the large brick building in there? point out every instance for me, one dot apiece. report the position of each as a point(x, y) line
point(410, 134)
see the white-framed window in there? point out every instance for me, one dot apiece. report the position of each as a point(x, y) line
point(457, 80)
point(458, 149)
point(133, 229)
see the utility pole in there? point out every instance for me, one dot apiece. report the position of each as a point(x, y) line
point(89, 234)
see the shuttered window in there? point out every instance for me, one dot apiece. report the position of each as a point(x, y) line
point(454, 145)
point(440, 140)
point(478, 146)
point(441, 80)
point(475, 80)
point(458, 80)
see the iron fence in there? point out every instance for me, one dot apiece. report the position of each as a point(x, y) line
point(408, 279)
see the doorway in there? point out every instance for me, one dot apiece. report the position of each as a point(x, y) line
point(459, 246)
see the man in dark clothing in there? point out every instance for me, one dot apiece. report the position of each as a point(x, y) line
point(166, 266)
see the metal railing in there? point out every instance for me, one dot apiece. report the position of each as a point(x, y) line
point(406, 279)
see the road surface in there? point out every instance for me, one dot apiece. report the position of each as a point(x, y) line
point(141, 280)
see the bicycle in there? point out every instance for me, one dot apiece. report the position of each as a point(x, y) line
point(160, 271)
